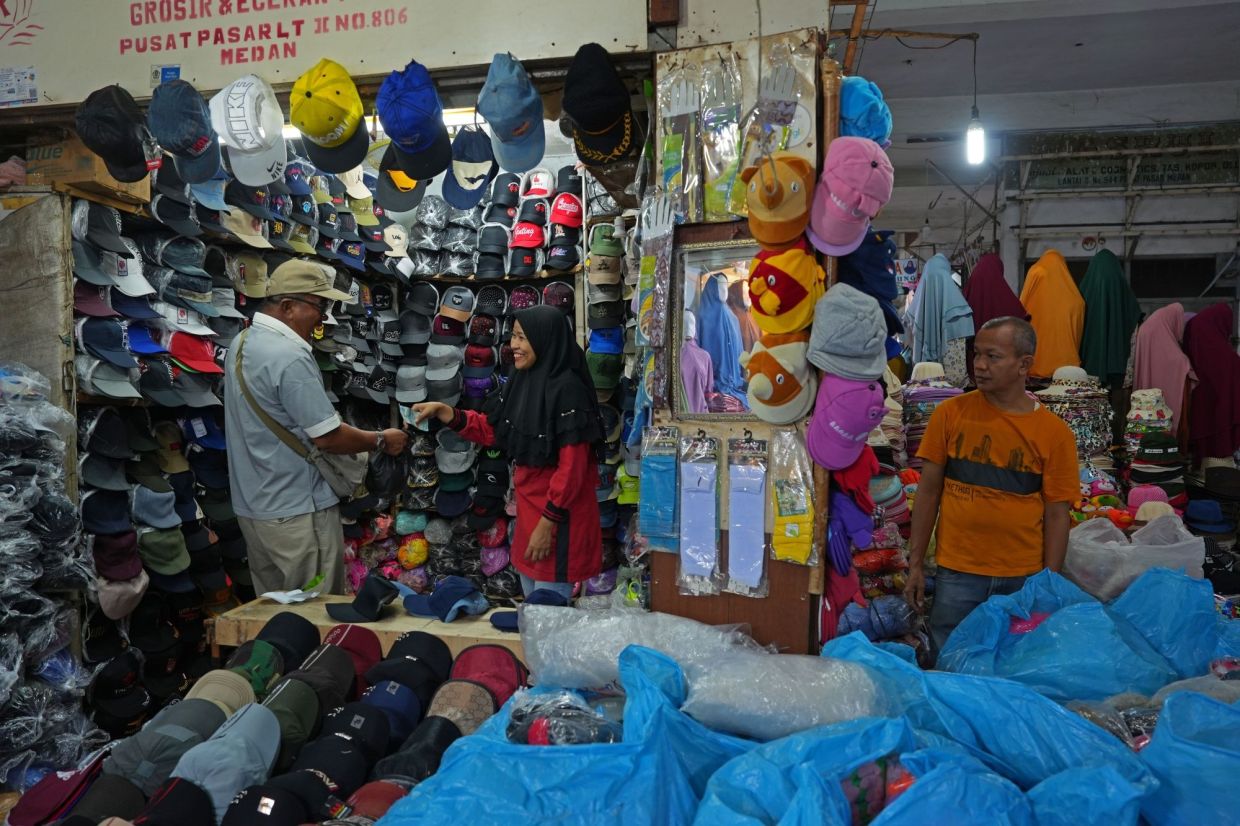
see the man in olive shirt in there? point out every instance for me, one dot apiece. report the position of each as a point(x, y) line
point(286, 510)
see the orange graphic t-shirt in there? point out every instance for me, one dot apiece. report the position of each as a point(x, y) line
point(1000, 469)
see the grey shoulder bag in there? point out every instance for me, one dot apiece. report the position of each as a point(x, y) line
point(344, 472)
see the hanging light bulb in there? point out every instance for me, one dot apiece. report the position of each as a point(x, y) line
point(975, 140)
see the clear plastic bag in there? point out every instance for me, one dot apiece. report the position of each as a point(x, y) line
point(19, 383)
point(659, 502)
point(747, 481)
point(721, 134)
point(1105, 716)
point(1104, 561)
point(12, 661)
point(679, 102)
point(757, 695)
point(560, 718)
point(699, 573)
point(792, 499)
point(567, 648)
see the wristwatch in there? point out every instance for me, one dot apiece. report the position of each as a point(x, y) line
point(380, 440)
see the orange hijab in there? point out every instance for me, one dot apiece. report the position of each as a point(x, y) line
point(1057, 313)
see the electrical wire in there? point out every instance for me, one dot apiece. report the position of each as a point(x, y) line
point(861, 54)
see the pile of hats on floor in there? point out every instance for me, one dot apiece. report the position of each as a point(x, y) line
point(1158, 462)
point(41, 681)
point(1078, 399)
point(1147, 413)
point(291, 731)
point(533, 222)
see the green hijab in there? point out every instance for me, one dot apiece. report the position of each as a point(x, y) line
point(1111, 314)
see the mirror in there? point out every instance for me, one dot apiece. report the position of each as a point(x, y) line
point(712, 327)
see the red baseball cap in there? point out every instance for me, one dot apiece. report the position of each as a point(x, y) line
point(446, 330)
point(527, 235)
point(479, 361)
point(566, 210)
point(193, 352)
point(362, 646)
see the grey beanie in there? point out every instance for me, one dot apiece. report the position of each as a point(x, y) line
point(847, 339)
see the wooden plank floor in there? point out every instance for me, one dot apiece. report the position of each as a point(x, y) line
point(243, 624)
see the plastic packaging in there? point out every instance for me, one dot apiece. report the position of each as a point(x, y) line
point(792, 499)
point(566, 648)
point(1225, 691)
point(386, 474)
point(757, 695)
point(1105, 717)
point(1104, 561)
point(721, 135)
point(679, 102)
point(654, 281)
point(769, 126)
point(747, 470)
point(699, 573)
point(1195, 754)
point(560, 718)
point(658, 505)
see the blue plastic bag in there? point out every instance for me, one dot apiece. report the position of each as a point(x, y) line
point(1085, 797)
point(960, 792)
point(1012, 729)
point(1195, 754)
point(1079, 652)
point(1176, 616)
point(657, 775)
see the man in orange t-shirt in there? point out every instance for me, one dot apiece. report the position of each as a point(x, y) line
point(1000, 474)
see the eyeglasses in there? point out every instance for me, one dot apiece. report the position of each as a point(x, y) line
point(322, 306)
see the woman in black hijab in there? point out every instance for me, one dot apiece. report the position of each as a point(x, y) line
point(546, 419)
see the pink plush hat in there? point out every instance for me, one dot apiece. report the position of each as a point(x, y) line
point(856, 183)
point(1141, 494)
point(844, 415)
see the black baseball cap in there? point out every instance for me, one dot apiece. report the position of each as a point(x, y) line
point(292, 634)
point(116, 696)
point(364, 724)
point(112, 125)
point(489, 267)
point(506, 191)
point(597, 102)
point(266, 805)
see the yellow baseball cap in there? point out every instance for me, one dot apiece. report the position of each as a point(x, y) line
point(630, 487)
point(326, 107)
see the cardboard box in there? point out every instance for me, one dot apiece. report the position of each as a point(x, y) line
point(70, 165)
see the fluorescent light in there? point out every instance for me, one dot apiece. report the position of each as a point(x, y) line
point(975, 140)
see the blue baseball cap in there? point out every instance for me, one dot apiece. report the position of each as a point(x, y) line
point(143, 343)
point(863, 112)
point(513, 109)
point(452, 597)
point(297, 177)
point(138, 309)
point(507, 620)
point(399, 703)
point(210, 193)
point(473, 168)
point(180, 122)
point(609, 341)
point(412, 117)
point(203, 430)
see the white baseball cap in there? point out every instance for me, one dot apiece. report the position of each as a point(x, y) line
point(537, 183)
point(247, 117)
point(353, 183)
point(397, 239)
point(179, 319)
point(126, 273)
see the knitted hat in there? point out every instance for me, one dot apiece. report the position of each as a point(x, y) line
point(848, 335)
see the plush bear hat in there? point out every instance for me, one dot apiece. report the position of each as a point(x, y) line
point(781, 384)
point(780, 191)
point(784, 287)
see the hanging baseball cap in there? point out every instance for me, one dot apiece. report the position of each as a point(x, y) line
point(180, 121)
point(513, 109)
point(845, 413)
point(326, 107)
point(597, 102)
point(112, 126)
point(247, 116)
point(412, 118)
point(473, 168)
point(856, 183)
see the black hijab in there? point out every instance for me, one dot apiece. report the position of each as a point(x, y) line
point(552, 404)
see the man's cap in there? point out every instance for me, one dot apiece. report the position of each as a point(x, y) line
point(400, 703)
point(298, 276)
point(180, 122)
point(239, 754)
point(261, 663)
point(452, 597)
point(532, 211)
point(329, 767)
point(296, 706)
point(412, 118)
point(156, 509)
point(507, 620)
point(109, 796)
point(458, 303)
point(466, 703)
point(327, 109)
point(266, 805)
point(525, 263)
point(116, 698)
point(375, 594)
point(112, 126)
point(566, 210)
point(597, 102)
point(421, 753)
point(247, 116)
point(227, 689)
point(473, 168)
point(560, 294)
point(513, 109)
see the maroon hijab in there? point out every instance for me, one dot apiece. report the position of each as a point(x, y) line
point(1214, 415)
point(988, 292)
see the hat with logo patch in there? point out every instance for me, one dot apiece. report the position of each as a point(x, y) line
point(597, 102)
point(112, 126)
point(180, 122)
point(560, 294)
point(366, 726)
point(563, 258)
point(326, 108)
point(566, 210)
point(513, 109)
point(246, 114)
point(473, 168)
point(116, 697)
point(412, 117)
point(239, 754)
point(527, 235)
point(480, 361)
point(524, 263)
point(267, 805)
point(533, 211)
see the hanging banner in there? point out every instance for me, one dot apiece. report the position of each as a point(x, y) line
point(74, 47)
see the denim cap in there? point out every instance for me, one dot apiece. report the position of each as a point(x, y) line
point(513, 109)
point(180, 122)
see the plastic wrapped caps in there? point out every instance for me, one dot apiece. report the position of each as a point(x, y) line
point(19, 558)
point(432, 212)
point(768, 696)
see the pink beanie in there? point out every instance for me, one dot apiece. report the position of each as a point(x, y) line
point(1141, 494)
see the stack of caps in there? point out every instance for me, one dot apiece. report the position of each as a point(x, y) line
point(481, 356)
point(608, 491)
point(490, 493)
point(1148, 413)
point(1158, 462)
point(454, 457)
point(1080, 401)
point(442, 240)
point(519, 298)
point(921, 397)
point(445, 355)
point(887, 492)
point(605, 272)
point(421, 301)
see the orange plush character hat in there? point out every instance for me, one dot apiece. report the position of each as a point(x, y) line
point(779, 196)
point(781, 384)
point(784, 286)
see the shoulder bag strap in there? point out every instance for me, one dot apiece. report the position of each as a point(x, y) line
point(275, 427)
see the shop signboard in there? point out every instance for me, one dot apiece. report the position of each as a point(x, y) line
point(68, 48)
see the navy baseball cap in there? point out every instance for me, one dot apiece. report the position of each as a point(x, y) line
point(513, 109)
point(297, 177)
point(180, 122)
point(112, 125)
point(139, 309)
point(453, 597)
point(507, 620)
point(412, 117)
point(473, 168)
point(609, 341)
point(400, 704)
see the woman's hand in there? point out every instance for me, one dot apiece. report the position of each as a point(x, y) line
point(539, 546)
point(436, 410)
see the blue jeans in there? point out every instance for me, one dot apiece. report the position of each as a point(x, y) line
point(529, 586)
point(956, 594)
